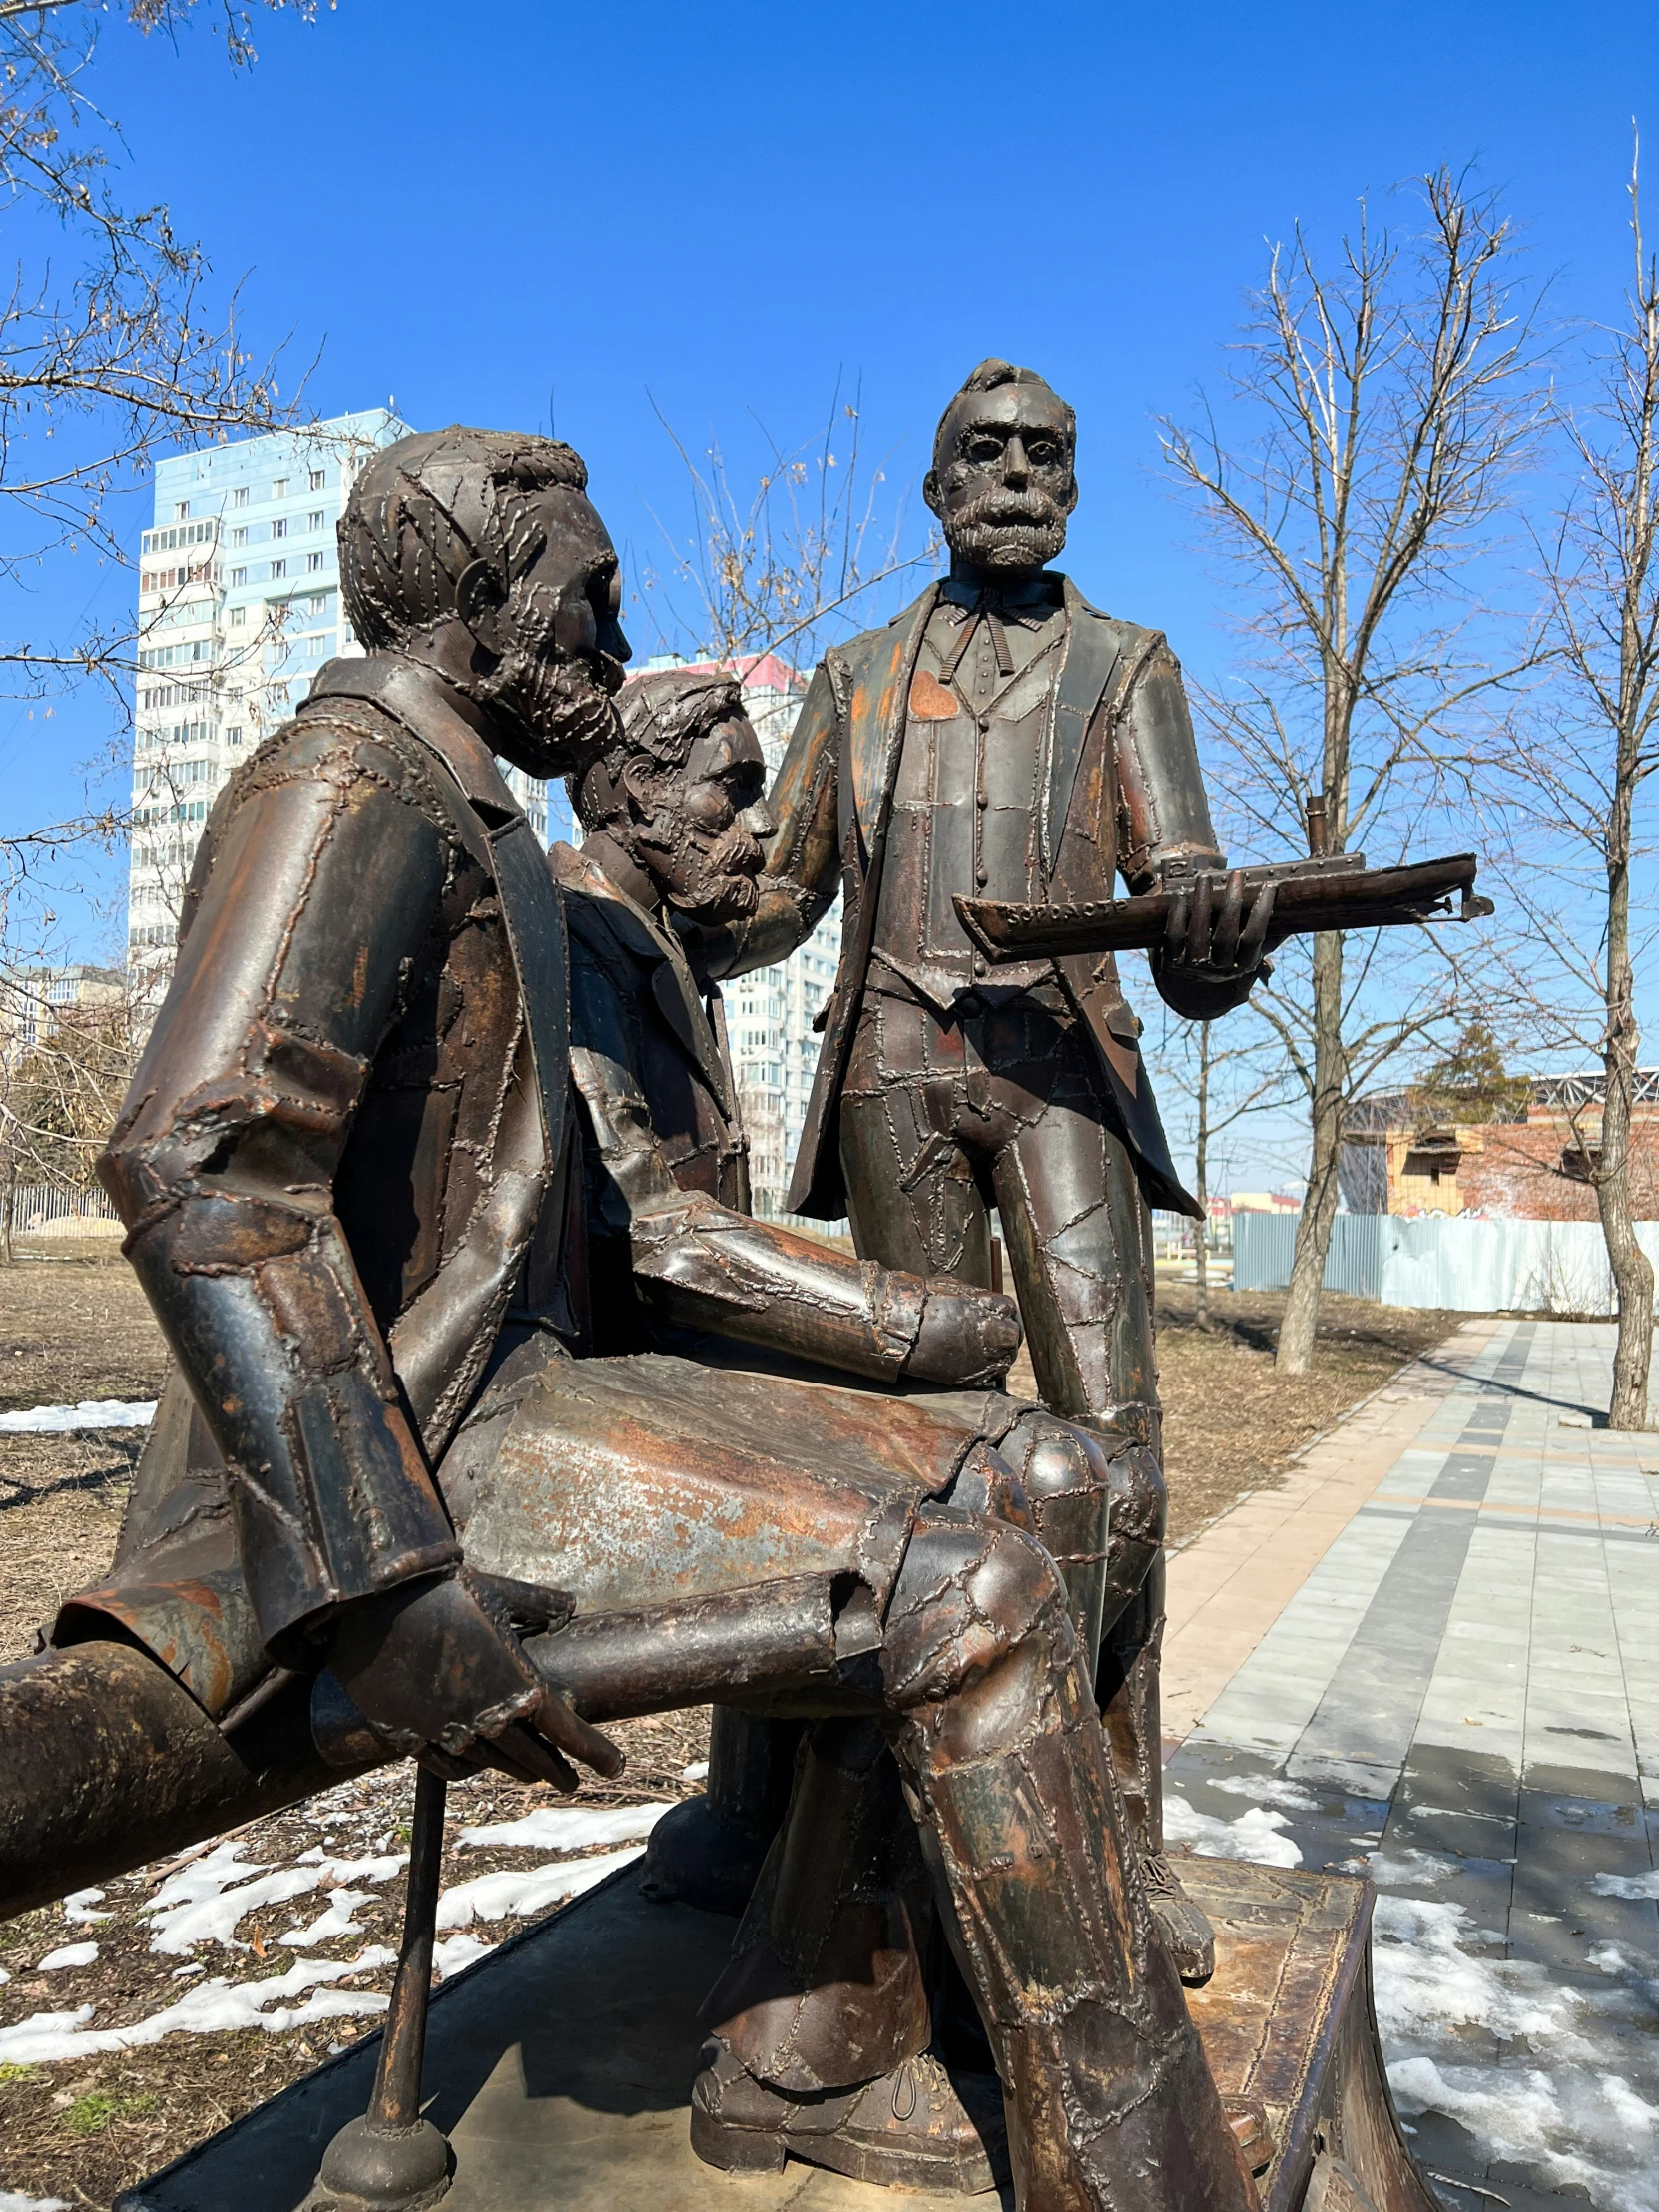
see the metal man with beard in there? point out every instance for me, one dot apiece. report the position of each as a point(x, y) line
point(1001, 736)
point(673, 814)
point(342, 1162)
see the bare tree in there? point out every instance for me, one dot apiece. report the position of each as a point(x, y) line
point(1383, 411)
point(784, 567)
point(1571, 781)
point(64, 1069)
point(114, 346)
point(1227, 1079)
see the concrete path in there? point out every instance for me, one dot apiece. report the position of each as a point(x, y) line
point(1433, 1655)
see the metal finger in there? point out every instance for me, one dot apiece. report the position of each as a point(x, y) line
point(522, 1752)
point(1175, 929)
point(1225, 943)
point(1256, 928)
point(447, 1765)
point(559, 1722)
point(1198, 930)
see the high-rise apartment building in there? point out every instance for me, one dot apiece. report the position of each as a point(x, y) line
point(239, 606)
point(770, 1011)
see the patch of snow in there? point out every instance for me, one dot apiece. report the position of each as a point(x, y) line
point(4, 1976)
point(79, 1902)
point(1627, 1885)
point(213, 1919)
point(333, 1925)
point(1577, 2122)
point(1254, 1835)
point(570, 1828)
point(1266, 1789)
point(212, 2007)
point(92, 1413)
point(456, 1952)
point(698, 1771)
point(1399, 1868)
point(69, 1954)
point(520, 1890)
point(13, 2200)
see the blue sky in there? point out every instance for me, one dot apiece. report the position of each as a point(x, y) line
point(722, 208)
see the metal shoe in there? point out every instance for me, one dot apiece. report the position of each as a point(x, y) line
point(1187, 1933)
point(913, 2129)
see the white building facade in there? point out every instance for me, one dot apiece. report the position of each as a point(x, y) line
point(239, 606)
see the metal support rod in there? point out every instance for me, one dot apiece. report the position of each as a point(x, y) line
point(392, 2160)
point(396, 2099)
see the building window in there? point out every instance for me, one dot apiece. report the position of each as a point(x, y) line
point(233, 734)
point(180, 510)
point(278, 569)
point(280, 528)
point(238, 497)
point(239, 615)
point(240, 537)
point(239, 576)
point(279, 489)
point(318, 519)
point(313, 561)
point(319, 477)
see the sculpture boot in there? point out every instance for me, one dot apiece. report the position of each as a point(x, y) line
point(1127, 1688)
point(821, 2019)
point(1109, 2099)
point(913, 2127)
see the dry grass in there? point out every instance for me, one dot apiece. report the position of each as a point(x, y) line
point(76, 1326)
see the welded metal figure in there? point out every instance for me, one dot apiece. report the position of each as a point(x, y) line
point(1002, 738)
point(341, 1170)
point(824, 2022)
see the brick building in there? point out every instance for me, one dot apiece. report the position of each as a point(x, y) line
point(1528, 1160)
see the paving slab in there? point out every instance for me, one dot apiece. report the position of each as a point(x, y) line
point(1464, 1688)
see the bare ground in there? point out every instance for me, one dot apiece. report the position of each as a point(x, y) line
point(76, 1326)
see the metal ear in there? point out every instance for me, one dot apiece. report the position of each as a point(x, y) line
point(479, 592)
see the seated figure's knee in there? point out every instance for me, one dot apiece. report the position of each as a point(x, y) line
point(972, 1590)
point(1140, 1497)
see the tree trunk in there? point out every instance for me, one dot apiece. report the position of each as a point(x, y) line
point(1319, 1210)
point(8, 1209)
point(1201, 1244)
point(1632, 1270)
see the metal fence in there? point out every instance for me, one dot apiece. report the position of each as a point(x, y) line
point(1451, 1265)
point(44, 1210)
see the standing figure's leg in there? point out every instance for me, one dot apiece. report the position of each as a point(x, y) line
point(1080, 1251)
point(911, 1194)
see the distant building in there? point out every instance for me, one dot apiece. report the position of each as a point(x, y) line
point(36, 1002)
point(1261, 1202)
point(770, 1012)
point(239, 606)
point(1529, 1158)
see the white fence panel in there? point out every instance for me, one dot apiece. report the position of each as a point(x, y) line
point(1501, 1267)
point(1454, 1266)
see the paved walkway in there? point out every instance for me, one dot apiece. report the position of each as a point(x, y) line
point(1433, 1656)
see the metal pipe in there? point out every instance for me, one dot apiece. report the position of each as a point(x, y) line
point(108, 1764)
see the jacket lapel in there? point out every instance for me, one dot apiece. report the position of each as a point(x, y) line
point(673, 992)
point(1092, 653)
point(875, 716)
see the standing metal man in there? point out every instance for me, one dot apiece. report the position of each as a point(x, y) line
point(1002, 737)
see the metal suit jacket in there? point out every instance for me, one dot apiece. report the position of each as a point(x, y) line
point(1123, 792)
point(334, 1174)
point(667, 1235)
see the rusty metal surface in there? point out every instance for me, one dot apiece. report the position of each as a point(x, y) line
point(646, 1480)
point(1288, 2020)
point(1339, 893)
point(108, 1762)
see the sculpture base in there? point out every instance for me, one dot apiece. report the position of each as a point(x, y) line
point(560, 2068)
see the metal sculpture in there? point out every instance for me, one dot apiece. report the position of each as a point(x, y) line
point(1004, 740)
point(344, 1172)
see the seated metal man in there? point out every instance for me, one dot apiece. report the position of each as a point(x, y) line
point(341, 1170)
point(823, 2017)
